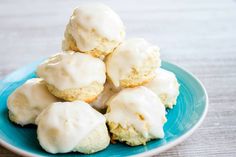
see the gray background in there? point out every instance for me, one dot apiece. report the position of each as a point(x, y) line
point(199, 35)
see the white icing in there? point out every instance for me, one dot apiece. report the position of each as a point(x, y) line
point(93, 21)
point(27, 101)
point(100, 102)
point(63, 125)
point(127, 105)
point(165, 83)
point(72, 70)
point(131, 53)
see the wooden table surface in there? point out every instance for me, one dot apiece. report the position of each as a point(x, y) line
point(199, 35)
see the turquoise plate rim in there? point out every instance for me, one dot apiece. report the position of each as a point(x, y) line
point(148, 153)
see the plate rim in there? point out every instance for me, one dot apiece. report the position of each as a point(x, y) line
point(155, 151)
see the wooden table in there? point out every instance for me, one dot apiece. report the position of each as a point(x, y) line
point(199, 35)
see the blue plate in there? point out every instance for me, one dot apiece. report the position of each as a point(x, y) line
point(183, 119)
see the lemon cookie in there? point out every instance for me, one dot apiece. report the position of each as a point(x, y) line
point(95, 29)
point(73, 76)
point(100, 103)
point(135, 116)
point(72, 127)
point(133, 63)
point(165, 85)
point(28, 100)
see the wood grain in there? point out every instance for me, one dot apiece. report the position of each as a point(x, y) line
point(199, 35)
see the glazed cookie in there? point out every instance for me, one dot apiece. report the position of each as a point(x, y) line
point(100, 103)
point(28, 100)
point(95, 29)
point(135, 116)
point(72, 127)
point(73, 76)
point(165, 85)
point(133, 63)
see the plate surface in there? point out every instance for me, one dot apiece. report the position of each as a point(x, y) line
point(183, 119)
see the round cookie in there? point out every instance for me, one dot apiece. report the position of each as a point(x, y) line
point(135, 116)
point(72, 127)
point(73, 76)
point(165, 86)
point(133, 63)
point(94, 29)
point(28, 100)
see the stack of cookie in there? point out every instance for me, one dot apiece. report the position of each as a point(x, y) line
point(99, 78)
